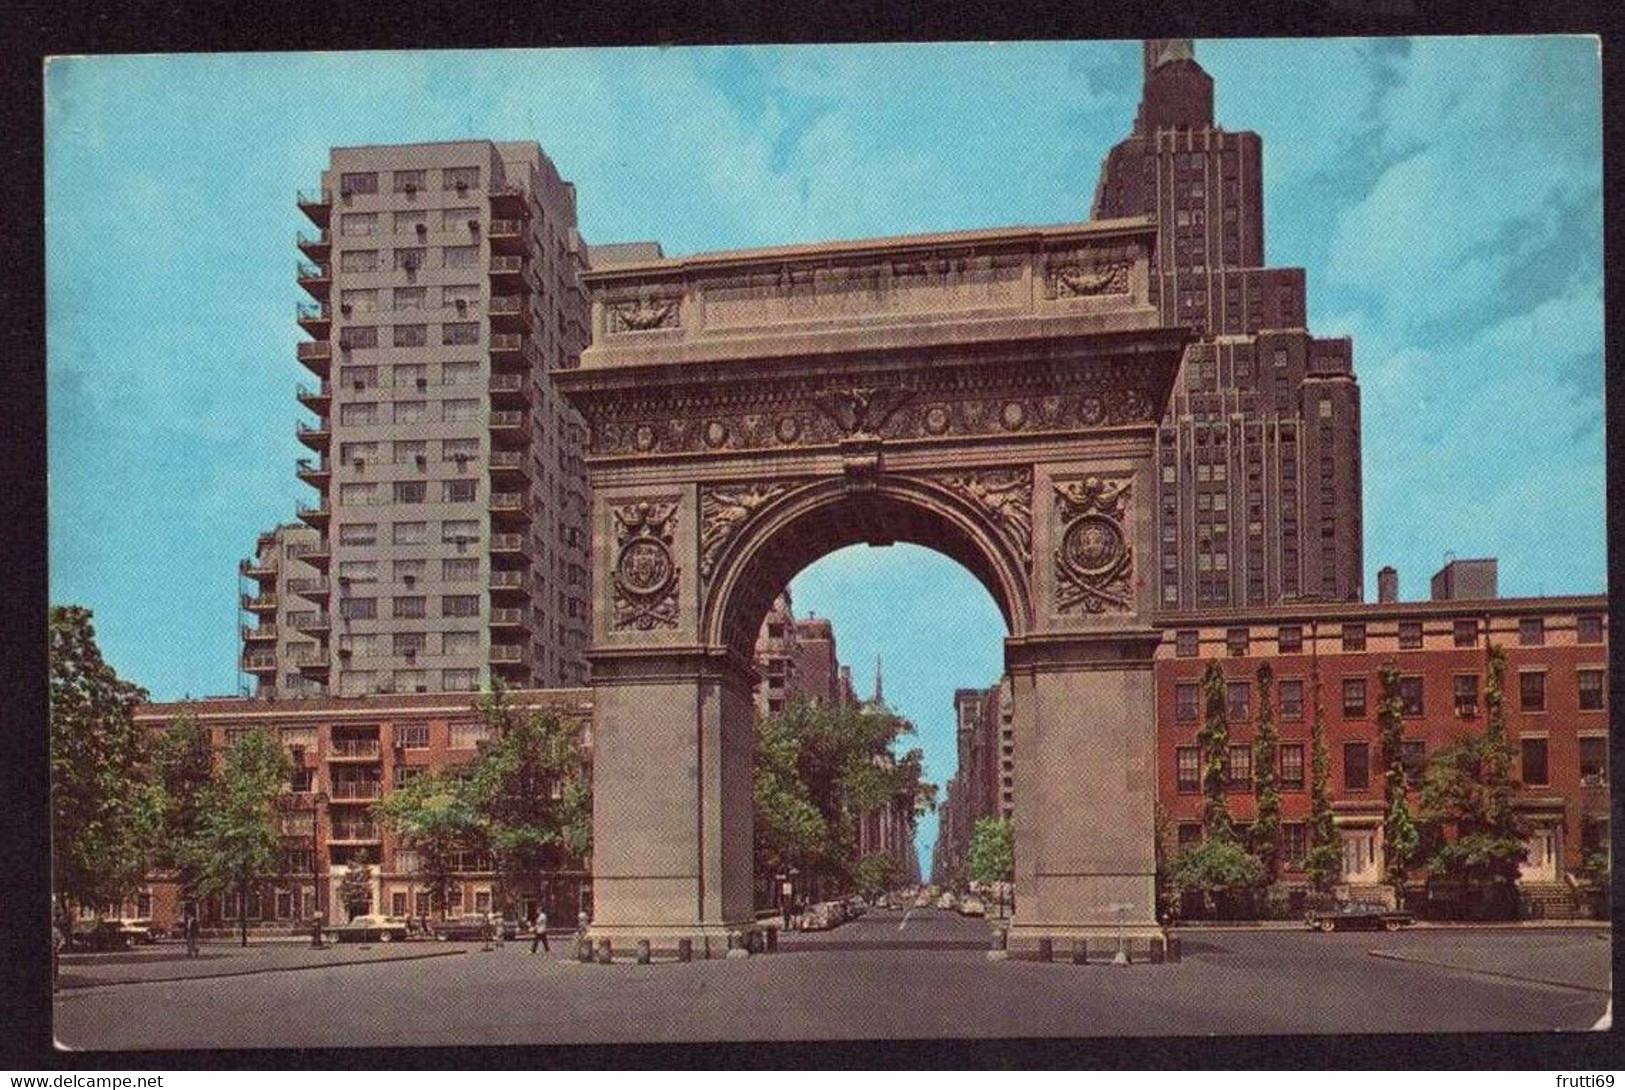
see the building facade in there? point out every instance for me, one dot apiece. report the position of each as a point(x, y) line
point(450, 508)
point(348, 754)
point(1259, 494)
point(1555, 707)
point(284, 602)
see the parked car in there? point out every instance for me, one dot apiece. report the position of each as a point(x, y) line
point(948, 901)
point(470, 927)
point(370, 929)
point(1359, 916)
point(823, 916)
point(100, 935)
point(972, 906)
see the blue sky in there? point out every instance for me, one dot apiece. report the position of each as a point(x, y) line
point(1444, 195)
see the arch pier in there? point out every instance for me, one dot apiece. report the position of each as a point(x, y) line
point(991, 395)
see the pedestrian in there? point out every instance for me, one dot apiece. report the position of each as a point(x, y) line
point(191, 929)
point(538, 931)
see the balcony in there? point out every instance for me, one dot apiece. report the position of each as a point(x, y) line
point(507, 345)
point(313, 318)
point(314, 471)
point(317, 205)
point(317, 279)
point(314, 662)
point(504, 462)
point(317, 356)
point(509, 198)
point(265, 633)
point(316, 438)
point(315, 246)
point(259, 662)
point(508, 269)
point(316, 517)
point(315, 621)
point(511, 504)
point(365, 790)
point(507, 312)
point(510, 581)
point(508, 420)
point(354, 749)
point(353, 832)
point(507, 235)
point(259, 603)
point(314, 589)
point(510, 654)
point(509, 544)
point(255, 568)
point(315, 553)
point(317, 399)
point(508, 618)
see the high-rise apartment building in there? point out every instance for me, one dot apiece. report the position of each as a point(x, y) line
point(450, 514)
point(287, 597)
point(1259, 496)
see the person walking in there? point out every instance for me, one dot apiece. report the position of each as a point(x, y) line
point(191, 929)
point(538, 931)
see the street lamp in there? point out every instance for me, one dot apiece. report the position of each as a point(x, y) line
point(317, 801)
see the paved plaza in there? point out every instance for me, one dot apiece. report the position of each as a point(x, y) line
point(881, 976)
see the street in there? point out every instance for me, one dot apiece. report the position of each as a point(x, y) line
point(885, 975)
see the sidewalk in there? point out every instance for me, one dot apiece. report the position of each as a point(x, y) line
point(1419, 925)
point(168, 962)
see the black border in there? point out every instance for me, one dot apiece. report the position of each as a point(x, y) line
point(37, 30)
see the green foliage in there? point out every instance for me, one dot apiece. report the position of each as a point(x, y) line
point(1214, 738)
point(876, 873)
point(435, 815)
point(104, 813)
point(818, 770)
point(1324, 861)
point(1266, 830)
point(355, 889)
point(1400, 836)
point(183, 764)
point(992, 854)
point(1214, 867)
point(239, 837)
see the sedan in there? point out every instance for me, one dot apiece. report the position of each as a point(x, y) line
point(1359, 916)
point(469, 928)
point(370, 929)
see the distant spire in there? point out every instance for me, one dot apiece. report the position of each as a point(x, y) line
point(880, 692)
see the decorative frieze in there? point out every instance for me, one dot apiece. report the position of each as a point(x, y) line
point(1088, 271)
point(724, 509)
point(1005, 496)
point(1094, 563)
point(645, 576)
point(641, 315)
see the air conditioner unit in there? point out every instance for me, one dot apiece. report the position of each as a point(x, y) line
point(360, 384)
point(344, 652)
point(346, 193)
point(422, 689)
point(423, 228)
point(344, 308)
point(462, 186)
point(411, 187)
point(411, 654)
point(360, 462)
point(461, 304)
point(473, 225)
point(409, 580)
point(423, 384)
point(422, 459)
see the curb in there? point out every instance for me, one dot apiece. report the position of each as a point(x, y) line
point(1388, 955)
point(61, 992)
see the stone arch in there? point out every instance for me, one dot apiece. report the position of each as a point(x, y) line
point(815, 519)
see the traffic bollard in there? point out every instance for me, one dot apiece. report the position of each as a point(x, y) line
point(644, 956)
point(606, 953)
point(685, 949)
point(584, 950)
point(1046, 949)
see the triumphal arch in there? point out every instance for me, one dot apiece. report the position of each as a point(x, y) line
point(992, 395)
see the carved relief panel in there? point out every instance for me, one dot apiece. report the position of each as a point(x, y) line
point(1094, 560)
point(1005, 497)
point(645, 575)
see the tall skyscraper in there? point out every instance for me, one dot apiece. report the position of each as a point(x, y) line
point(451, 508)
point(1259, 496)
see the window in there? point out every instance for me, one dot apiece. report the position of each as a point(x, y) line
point(1237, 700)
point(1466, 694)
point(1354, 698)
point(358, 495)
point(410, 336)
point(411, 181)
point(460, 570)
point(1466, 633)
point(1533, 753)
point(411, 491)
point(358, 533)
point(411, 412)
point(460, 679)
point(412, 735)
point(461, 257)
point(410, 643)
point(1189, 832)
point(1588, 628)
point(1235, 639)
point(1238, 769)
point(1593, 761)
point(1294, 842)
point(459, 178)
point(357, 454)
point(409, 258)
point(460, 409)
point(1356, 766)
point(468, 735)
point(1291, 694)
point(1292, 767)
point(410, 533)
point(463, 373)
point(410, 222)
point(407, 571)
point(303, 779)
point(460, 605)
point(452, 450)
point(358, 378)
point(410, 298)
point(407, 451)
point(358, 412)
point(358, 609)
point(1186, 702)
point(1186, 643)
point(1531, 632)
point(358, 182)
point(482, 900)
point(1354, 636)
point(452, 219)
point(1532, 691)
point(460, 333)
point(460, 296)
point(460, 530)
point(411, 681)
point(1410, 635)
point(358, 224)
point(410, 607)
point(1410, 696)
point(1413, 759)
point(410, 374)
point(1290, 639)
point(359, 261)
point(359, 336)
point(1591, 690)
point(459, 643)
point(461, 491)
point(358, 300)
point(1188, 769)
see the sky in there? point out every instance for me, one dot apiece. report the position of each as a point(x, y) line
point(1444, 196)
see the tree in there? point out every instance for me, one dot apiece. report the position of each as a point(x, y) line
point(1468, 788)
point(1324, 861)
point(355, 888)
point(104, 812)
point(991, 858)
point(1217, 869)
point(434, 816)
point(1266, 831)
point(1400, 836)
point(239, 839)
point(529, 791)
point(876, 873)
point(184, 768)
point(1214, 738)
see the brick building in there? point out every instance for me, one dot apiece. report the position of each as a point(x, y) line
point(1259, 495)
point(1555, 703)
point(347, 754)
